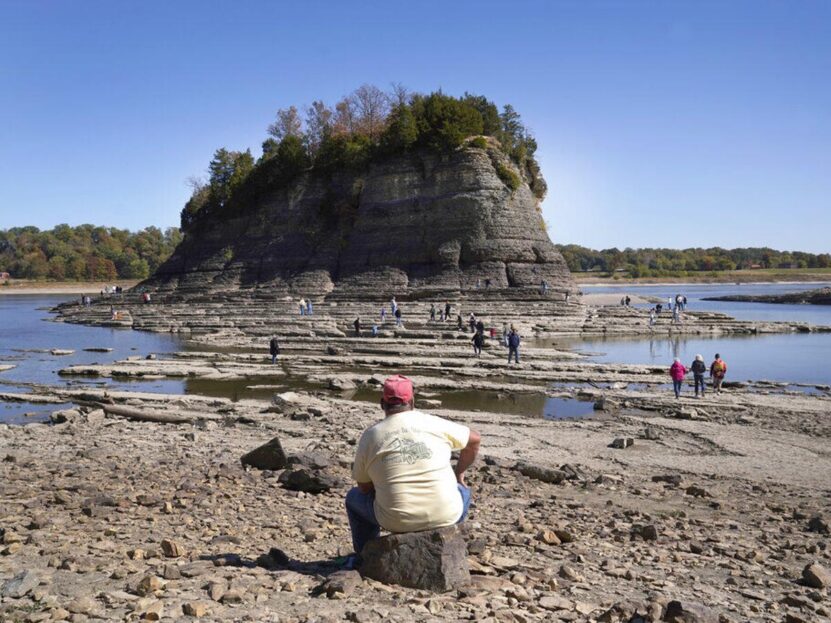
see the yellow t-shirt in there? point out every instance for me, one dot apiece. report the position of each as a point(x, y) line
point(406, 456)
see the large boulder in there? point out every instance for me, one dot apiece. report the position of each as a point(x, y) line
point(434, 560)
point(268, 456)
point(816, 576)
point(686, 612)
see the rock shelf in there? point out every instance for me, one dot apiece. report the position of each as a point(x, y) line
point(136, 505)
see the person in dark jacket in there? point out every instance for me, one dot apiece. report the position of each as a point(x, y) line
point(699, 368)
point(480, 327)
point(478, 340)
point(513, 345)
point(357, 324)
point(274, 349)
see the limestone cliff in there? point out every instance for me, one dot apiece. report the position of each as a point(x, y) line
point(411, 224)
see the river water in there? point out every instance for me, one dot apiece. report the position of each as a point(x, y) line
point(809, 314)
point(26, 336)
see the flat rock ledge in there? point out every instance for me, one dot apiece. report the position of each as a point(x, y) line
point(434, 560)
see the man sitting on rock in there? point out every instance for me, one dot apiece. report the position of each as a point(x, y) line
point(402, 467)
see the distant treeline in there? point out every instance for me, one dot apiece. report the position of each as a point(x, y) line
point(366, 124)
point(85, 252)
point(678, 262)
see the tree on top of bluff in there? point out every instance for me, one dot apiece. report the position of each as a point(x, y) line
point(365, 125)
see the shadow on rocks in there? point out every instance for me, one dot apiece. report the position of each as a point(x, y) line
point(277, 560)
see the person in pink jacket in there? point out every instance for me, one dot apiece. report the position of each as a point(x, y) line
point(677, 371)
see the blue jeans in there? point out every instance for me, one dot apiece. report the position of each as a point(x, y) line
point(699, 382)
point(513, 352)
point(360, 510)
point(676, 385)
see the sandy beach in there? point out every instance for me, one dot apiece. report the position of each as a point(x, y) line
point(91, 288)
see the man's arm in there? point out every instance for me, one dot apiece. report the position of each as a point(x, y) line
point(467, 456)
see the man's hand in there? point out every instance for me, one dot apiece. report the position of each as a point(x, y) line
point(467, 456)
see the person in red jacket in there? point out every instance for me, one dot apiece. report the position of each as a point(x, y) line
point(718, 369)
point(677, 371)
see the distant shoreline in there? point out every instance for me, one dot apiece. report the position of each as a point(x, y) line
point(743, 278)
point(56, 287)
point(633, 283)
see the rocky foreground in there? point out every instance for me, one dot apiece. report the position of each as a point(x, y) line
point(137, 506)
point(105, 517)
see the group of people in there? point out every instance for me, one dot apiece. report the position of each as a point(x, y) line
point(108, 290)
point(718, 370)
point(439, 313)
point(680, 305)
point(306, 307)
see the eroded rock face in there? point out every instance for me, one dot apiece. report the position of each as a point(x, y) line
point(418, 223)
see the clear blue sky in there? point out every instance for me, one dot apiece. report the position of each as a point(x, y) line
point(660, 123)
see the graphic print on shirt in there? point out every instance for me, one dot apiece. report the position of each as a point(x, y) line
point(407, 451)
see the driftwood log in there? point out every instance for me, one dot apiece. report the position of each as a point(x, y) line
point(152, 416)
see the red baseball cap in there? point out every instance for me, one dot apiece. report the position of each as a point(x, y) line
point(398, 390)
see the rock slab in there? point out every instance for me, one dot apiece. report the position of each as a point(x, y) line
point(269, 456)
point(816, 576)
point(19, 585)
point(434, 560)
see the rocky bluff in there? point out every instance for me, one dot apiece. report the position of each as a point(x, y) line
point(415, 224)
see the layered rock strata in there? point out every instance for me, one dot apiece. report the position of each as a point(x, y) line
point(412, 225)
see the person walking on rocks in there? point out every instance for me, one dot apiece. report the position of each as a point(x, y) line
point(393, 306)
point(652, 317)
point(432, 312)
point(302, 307)
point(383, 314)
point(480, 327)
point(698, 368)
point(447, 311)
point(397, 316)
point(274, 349)
point(676, 315)
point(478, 340)
point(459, 324)
point(309, 307)
point(405, 482)
point(677, 371)
point(513, 345)
point(471, 321)
point(718, 369)
point(357, 325)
